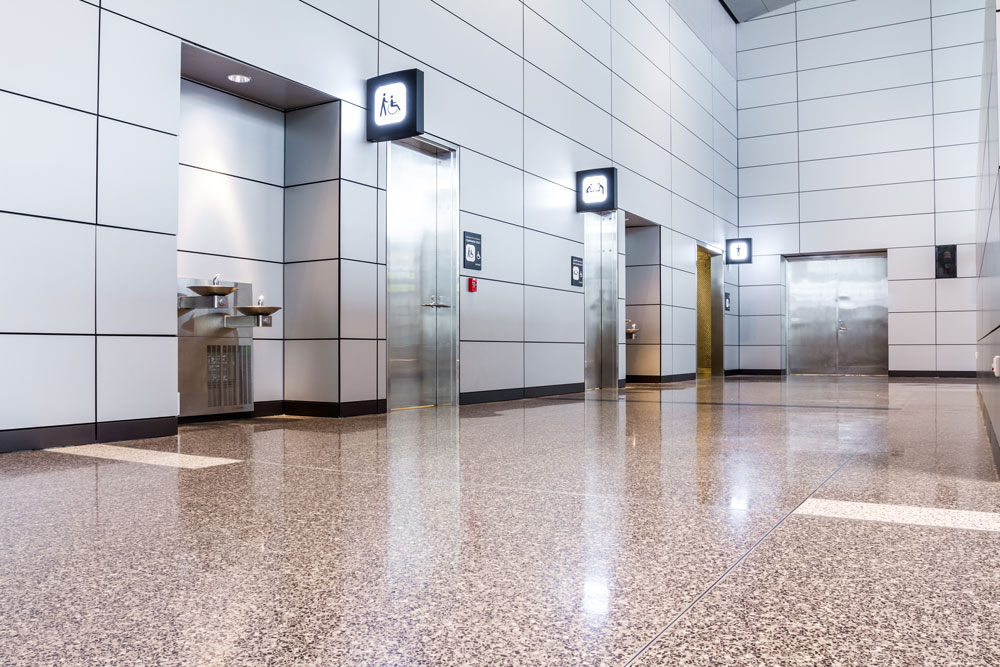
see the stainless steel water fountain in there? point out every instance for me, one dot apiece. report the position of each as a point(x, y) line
point(215, 321)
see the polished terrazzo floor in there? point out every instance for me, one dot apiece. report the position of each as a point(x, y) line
point(658, 527)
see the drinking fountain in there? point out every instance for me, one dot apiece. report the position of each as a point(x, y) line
point(215, 322)
point(631, 330)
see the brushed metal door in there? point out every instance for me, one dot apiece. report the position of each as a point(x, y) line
point(863, 316)
point(422, 276)
point(838, 316)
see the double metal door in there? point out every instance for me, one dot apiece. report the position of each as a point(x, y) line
point(422, 312)
point(838, 315)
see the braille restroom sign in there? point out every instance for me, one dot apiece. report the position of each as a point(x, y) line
point(473, 251)
point(597, 190)
point(395, 105)
point(576, 271)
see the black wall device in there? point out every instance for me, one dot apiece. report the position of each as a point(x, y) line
point(947, 261)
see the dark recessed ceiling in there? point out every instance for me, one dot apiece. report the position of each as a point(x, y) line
point(744, 10)
point(211, 69)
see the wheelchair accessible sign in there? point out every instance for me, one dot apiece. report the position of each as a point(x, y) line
point(395, 105)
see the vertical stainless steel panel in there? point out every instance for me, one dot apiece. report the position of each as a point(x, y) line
point(812, 316)
point(863, 316)
point(600, 286)
point(838, 316)
point(422, 276)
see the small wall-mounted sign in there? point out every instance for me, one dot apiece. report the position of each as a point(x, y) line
point(576, 271)
point(728, 305)
point(473, 253)
point(947, 261)
point(597, 190)
point(395, 105)
point(739, 251)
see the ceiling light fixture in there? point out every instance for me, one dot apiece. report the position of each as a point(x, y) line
point(239, 78)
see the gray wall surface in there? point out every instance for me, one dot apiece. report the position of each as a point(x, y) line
point(858, 130)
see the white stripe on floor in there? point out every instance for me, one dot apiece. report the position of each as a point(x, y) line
point(133, 455)
point(907, 514)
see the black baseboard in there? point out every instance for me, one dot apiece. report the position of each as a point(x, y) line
point(661, 379)
point(136, 429)
point(932, 374)
point(20, 439)
point(359, 408)
point(621, 383)
point(268, 408)
point(491, 396)
point(990, 431)
point(553, 390)
point(334, 410)
point(759, 371)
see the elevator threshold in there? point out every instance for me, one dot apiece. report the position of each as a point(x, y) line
point(421, 407)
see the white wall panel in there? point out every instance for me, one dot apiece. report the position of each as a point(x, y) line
point(490, 366)
point(48, 380)
point(312, 144)
point(956, 29)
point(503, 249)
point(136, 377)
point(834, 18)
point(875, 201)
point(868, 75)
point(866, 107)
point(877, 169)
point(547, 364)
point(551, 208)
point(268, 370)
point(547, 260)
point(136, 282)
point(865, 45)
point(231, 216)
point(58, 259)
point(358, 300)
point(556, 54)
point(358, 367)
point(54, 43)
point(494, 313)
point(224, 133)
point(312, 370)
point(880, 137)
point(136, 178)
point(312, 215)
point(467, 54)
point(491, 188)
point(358, 220)
point(501, 20)
point(140, 74)
point(311, 306)
point(553, 315)
point(48, 161)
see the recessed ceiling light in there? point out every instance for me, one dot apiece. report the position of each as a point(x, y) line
point(239, 78)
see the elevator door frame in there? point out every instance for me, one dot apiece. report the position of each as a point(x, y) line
point(718, 346)
point(446, 351)
point(839, 323)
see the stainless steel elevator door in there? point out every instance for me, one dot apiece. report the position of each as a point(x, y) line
point(422, 276)
point(838, 316)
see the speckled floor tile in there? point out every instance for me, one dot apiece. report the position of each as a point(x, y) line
point(567, 530)
point(840, 592)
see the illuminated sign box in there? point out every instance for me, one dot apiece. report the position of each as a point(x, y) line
point(395, 105)
point(739, 251)
point(597, 190)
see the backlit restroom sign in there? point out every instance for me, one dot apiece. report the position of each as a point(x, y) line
point(597, 190)
point(395, 105)
point(739, 251)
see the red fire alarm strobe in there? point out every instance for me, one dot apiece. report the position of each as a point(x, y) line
point(473, 285)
